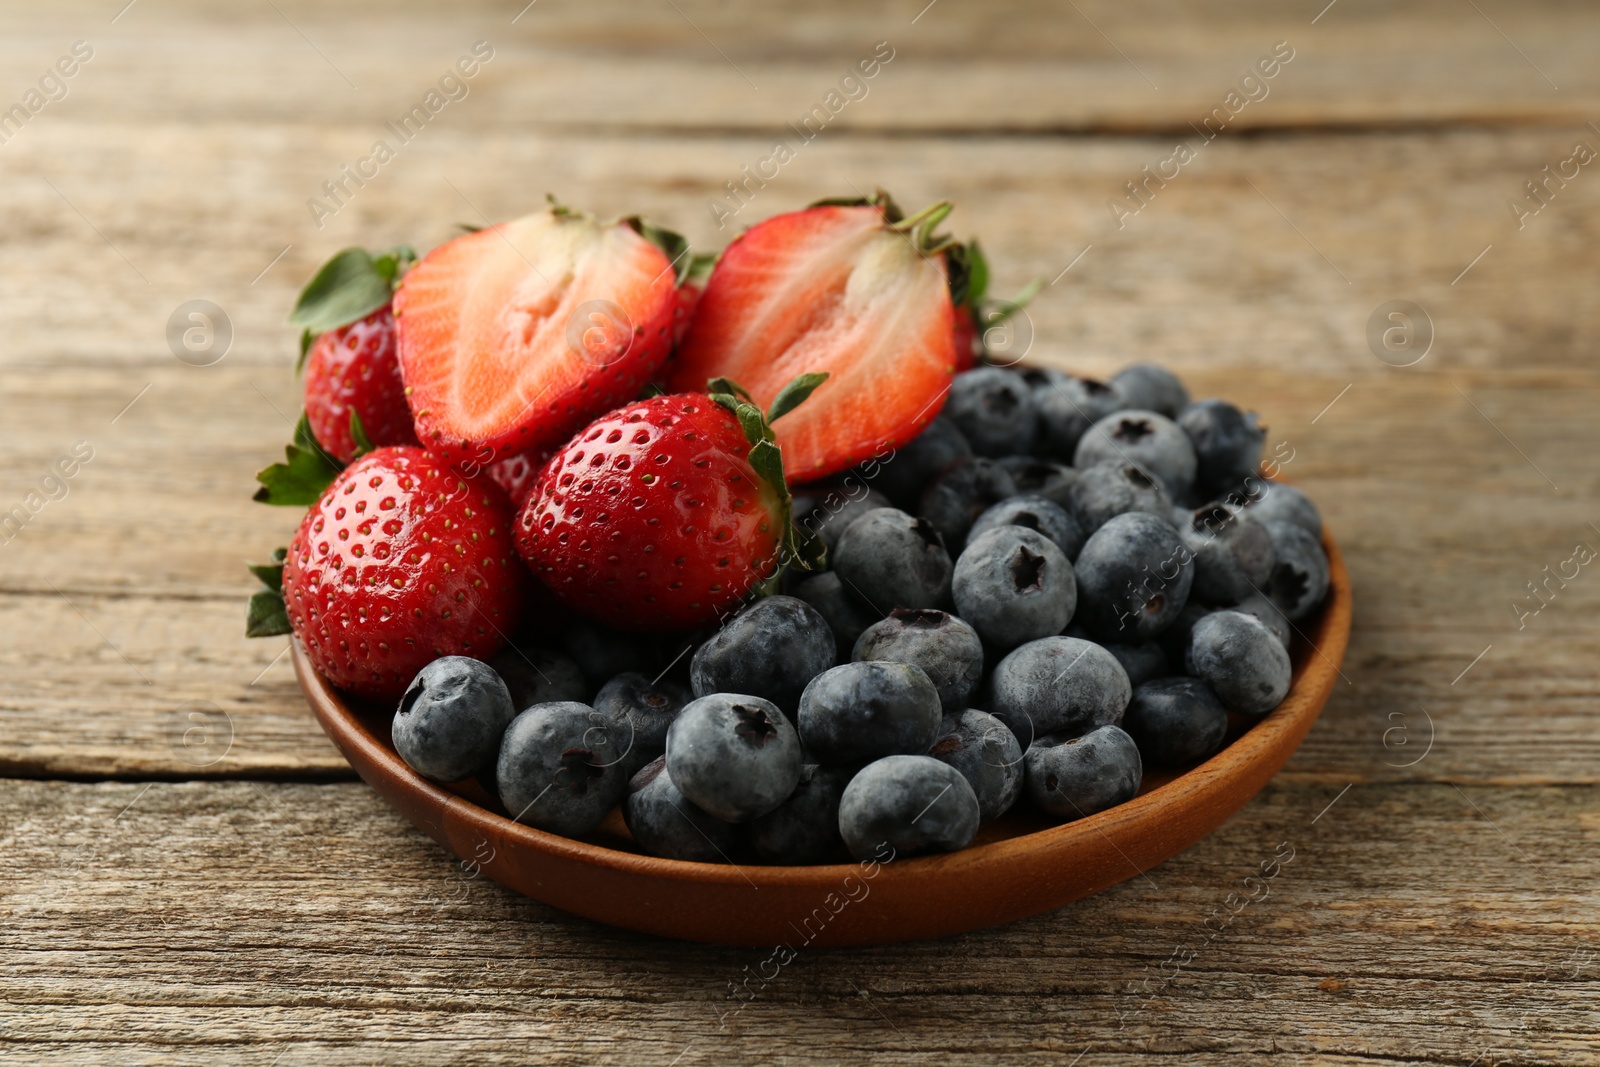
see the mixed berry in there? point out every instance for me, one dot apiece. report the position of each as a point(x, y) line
point(759, 550)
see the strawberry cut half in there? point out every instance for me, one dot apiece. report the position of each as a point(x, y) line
point(514, 337)
point(851, 290)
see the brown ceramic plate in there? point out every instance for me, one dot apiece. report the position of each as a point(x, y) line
point(1021, 865)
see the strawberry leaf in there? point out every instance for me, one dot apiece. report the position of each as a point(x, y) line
point(358, 434)
point(794, 394)
point(968, 273)
point(767, 459)
point(349, 287)
point(724, 385)
point(267, 615)
point(271, 574)
point(307, 470)
point(306, 338)
point(698, 269)
point(672, 244)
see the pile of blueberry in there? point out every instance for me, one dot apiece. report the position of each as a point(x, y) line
point(1059, 583)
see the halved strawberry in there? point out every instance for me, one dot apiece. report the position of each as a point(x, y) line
point(850, 289)
point(514, 337)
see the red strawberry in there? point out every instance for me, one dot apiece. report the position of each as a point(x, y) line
point(514, 337)
point(853, 290)
point(349, 353)
point(517, 474)
point(966, 339)
point(691, 287)
point(353, 369)
point(666, 513)
point(401, 561)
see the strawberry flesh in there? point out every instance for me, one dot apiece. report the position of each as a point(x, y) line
point(652, 518)
point(515, 337)
point(401, 561)
point(829, 289)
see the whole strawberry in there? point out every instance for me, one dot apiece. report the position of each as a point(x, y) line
point(402, 560)
point(354, 397)
point(516, 474)
point(665, 513)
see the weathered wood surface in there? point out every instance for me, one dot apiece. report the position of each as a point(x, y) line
point(197, 921)
point(222, 900)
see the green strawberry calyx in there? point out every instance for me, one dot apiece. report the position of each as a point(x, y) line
point(347, 288)
point(268, 616)
point(969, 290)
point(801, 548)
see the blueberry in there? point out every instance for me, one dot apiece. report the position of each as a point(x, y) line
point(1058, 685)
point(1238, 657)
point(1014, 585)
point(903, 474)
point(771, 649)
point(911, 803)
point(1067, 407)
point(1042, 477)
point(451, 719)
point(1152, 387)
point(603, 652)
point(1271, 616)
point(1175, 721)
point(560, 768)
point(946, 648)
point(1074, 777)
point(1233, 553)
point(1142, 661)
point(642, 710)
point(539, 676)
point(860, 711)
point(1300, 576)
point(1174, 640)
point(1104, 491)
point(889, 560)
point(1227, 441)
point(838, 507)
point(805, 827)
point(988, 756)
point(736, 756)
point(993, 409)
point(963, 491)
point(1035, 513)
point(1277, 502)
point(1144, 439)
point(664, 823)
point(1134, 575)
point(845, 616)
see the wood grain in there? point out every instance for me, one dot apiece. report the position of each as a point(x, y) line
point(225, 916)
point(194, 922)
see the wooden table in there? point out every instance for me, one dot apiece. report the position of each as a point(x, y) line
point(191, 873)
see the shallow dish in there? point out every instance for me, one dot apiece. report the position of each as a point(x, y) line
point(1019, 866)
